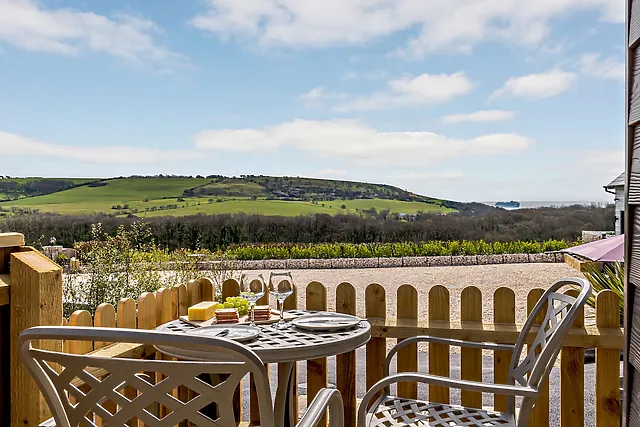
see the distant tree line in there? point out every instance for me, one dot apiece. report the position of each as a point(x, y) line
point(216, 232)
point(35, 187)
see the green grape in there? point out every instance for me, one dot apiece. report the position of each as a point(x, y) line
point(228, 305)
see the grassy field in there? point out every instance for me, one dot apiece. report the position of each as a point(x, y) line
point(164, 197)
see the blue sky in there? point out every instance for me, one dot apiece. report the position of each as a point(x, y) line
point(465, 99)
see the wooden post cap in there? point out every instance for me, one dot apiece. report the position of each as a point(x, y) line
point(11, 239)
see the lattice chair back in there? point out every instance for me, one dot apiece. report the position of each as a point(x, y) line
point(560, 312)
point(115, 390)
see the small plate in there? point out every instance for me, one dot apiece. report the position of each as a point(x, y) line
point(326, 322)
point(240, 333)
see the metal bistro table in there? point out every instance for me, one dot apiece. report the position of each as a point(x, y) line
point(284, 347)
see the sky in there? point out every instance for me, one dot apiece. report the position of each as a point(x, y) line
point(469, 100)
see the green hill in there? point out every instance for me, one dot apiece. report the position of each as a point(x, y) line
point(178, 196)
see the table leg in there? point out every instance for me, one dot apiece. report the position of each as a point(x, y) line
point(283, 407)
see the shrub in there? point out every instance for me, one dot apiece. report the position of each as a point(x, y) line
point(62, 259)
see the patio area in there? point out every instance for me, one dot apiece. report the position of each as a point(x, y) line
point(31, 290)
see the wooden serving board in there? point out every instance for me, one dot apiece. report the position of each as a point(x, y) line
point(275, 317)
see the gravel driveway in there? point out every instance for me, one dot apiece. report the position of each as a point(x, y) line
point(519, 277)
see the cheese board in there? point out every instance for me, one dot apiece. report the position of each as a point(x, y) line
point(275, 317)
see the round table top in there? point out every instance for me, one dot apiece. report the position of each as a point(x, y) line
point(283, 345)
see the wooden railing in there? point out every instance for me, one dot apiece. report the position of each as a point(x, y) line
point(605, 335)
point(30, 295)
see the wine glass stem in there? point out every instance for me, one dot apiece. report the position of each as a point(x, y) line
point(252, 315)
point(281, 308)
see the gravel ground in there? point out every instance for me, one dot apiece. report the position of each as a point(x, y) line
point(519, 277)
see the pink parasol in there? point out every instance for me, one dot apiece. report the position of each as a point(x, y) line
point(605, 250)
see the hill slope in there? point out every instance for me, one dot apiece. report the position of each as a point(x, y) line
point(178, 196)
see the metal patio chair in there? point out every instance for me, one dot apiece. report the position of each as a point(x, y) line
point(119, 389)
point(525, 376)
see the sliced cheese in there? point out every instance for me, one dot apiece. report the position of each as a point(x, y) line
point(203, 311)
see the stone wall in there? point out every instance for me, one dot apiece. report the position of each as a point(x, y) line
point(422, 261)
point(592, 236)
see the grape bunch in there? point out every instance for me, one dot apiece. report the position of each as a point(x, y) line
point(237, 302)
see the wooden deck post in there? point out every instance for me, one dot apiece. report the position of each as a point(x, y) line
point(9, 242)
point(35, 300)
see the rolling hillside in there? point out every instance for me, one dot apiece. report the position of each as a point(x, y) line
point(179, 196)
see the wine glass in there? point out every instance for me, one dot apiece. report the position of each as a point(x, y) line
point(281, 286)
point(252, 288)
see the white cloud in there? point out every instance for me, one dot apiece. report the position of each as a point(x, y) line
point(27, 25)
point(18, 145)
point(480, 116)
point(443, 25)
point(537, 86)
point(358, 143)
point(319, 94)
point(594, 65)
point(409, 90)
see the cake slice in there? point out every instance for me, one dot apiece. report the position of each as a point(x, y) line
point(262, 312)
point(227, 315)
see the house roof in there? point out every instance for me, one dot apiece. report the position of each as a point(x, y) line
point(618, 182)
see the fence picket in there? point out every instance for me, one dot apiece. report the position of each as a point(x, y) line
point(375, 306)
point(407, 358)
point(316, 368)
point(80, 318)
point(607, 363)
point(471, 358)
point(163, 315)
point(206, 289)
point(105, 317)
point(504, 312)
point(439, 353)
point(231, 288)
point(127, 318)
point(183, 300)
point(346, 363)
point(254, 408)
point(291, 303)
point(572, 378)
point(540, 413)
point(193, 292)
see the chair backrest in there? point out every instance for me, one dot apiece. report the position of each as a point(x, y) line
point(560, 312)
point(81, 388)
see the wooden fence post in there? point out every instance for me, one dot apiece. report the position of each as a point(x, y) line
point(316, 368)
point(439, 353)
point(36, 300)
point(471, 358)
point(607, 363)
point(504, 312)
point(407, 358)
point(540, 414)
point(375, 306)
point(9, 242)
point(572, 379)
point(346, 363)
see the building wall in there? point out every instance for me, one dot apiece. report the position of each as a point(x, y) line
point(620, 203)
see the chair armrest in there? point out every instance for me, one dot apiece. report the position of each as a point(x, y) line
point(446, 341)
point(327, 398)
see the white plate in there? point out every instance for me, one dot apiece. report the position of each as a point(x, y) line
point(236, 332)
point(326, 322)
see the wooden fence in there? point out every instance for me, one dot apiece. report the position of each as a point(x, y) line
point(606, 336)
